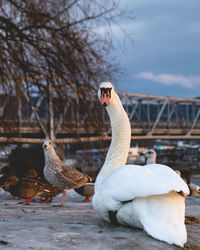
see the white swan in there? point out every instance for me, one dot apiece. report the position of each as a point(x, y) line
point(141, 196)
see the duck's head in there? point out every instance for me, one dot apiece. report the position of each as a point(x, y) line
point(10, 180)
point(47, 144)
point(106, 93)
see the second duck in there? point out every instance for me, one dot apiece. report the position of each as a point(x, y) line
point(58, 174)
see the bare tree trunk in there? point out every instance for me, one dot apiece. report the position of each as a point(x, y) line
point(77, 113)
point(43, 128)
point(19, 105)
point(51, 112)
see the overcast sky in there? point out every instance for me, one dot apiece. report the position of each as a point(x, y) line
point(165, 56)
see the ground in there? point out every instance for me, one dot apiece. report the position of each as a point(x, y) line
point(77, 226)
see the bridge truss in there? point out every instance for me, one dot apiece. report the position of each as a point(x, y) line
point(152, 117)
point(162, 117)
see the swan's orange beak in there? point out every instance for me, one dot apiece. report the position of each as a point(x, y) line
point(105, 99)
point(105, 96)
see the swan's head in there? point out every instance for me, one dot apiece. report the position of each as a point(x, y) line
point(150, 155)
point(47, 144)
point(106, 93)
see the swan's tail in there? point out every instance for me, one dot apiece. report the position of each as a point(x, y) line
point(168, 223)
point(161, 216)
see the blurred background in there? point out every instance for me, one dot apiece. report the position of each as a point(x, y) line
point(54, 55)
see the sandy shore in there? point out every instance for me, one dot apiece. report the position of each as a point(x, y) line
point(76, 226)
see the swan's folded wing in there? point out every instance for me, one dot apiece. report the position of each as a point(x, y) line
point(170, 176)
point(132, 181)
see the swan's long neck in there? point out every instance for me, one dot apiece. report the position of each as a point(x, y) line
point(120, 144)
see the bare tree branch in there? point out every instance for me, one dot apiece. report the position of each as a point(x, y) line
point(57, 43)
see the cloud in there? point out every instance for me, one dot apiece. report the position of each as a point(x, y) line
point(169, 79)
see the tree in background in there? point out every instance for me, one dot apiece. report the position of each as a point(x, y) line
point(52, 56)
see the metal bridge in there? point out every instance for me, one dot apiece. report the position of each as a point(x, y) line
point(162, 117)
point(152, 117)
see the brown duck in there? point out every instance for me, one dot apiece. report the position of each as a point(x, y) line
point(86, 190)
point(29, 186)
point(59, 174)
point(26, 187)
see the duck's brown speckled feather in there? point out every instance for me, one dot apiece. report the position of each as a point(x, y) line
point(51, 191)
point(59, 174)
point(73, 177)
point(68, 178)
point(29, 186)
point(42, 186)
